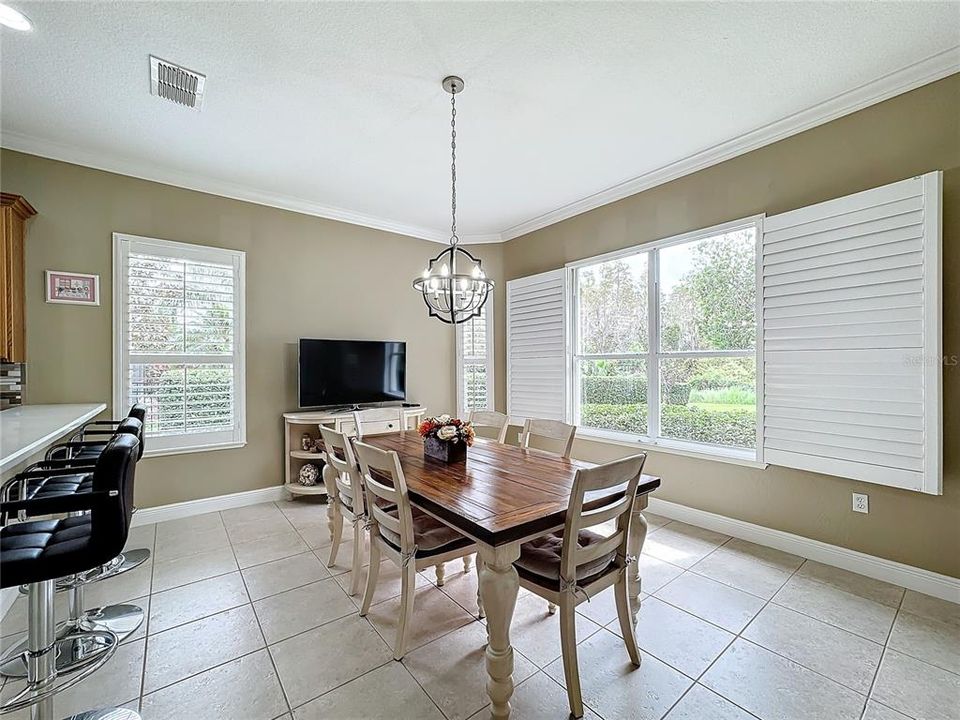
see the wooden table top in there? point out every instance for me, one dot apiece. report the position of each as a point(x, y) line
point(501, 494)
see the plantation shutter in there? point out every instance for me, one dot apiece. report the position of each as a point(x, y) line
point(536, 346)
point(852, 336)
point(475, 361)
point(179, 337)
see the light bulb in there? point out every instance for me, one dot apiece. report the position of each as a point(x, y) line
point(426, 273)
point(476, 271)
point(443, 270)
point(463, 283)
point(14, 19)
point(433, 284)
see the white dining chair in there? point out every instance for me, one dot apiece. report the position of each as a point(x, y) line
point(406, 535)
point(381, 421)
point(491, 420)
point(550, 430)
point(568, 567)
point(341, 475)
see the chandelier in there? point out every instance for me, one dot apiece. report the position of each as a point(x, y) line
point(453, 286)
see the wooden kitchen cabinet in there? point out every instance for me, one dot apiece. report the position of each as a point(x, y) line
point(14, 213)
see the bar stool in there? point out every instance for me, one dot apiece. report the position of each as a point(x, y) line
point(80, 446)
point(122, 619)
point(36, 552)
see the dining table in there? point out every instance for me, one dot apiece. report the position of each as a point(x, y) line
point(502, 496)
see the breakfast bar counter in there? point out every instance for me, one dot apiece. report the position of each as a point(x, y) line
point(28, 430)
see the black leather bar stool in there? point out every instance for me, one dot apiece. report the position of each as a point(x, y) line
point(122, 619)
point(89, 440)
point(36, 552)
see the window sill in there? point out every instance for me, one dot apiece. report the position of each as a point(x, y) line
point(194, 449)
point(691, 450)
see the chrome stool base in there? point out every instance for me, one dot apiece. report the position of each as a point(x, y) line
point(45, 687)
point(76, 646)
point(124, 562)
point(106, 714)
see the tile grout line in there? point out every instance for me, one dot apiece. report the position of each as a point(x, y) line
point(253, 609)
point(883, 652)
point(146, 620)
point(729, 644)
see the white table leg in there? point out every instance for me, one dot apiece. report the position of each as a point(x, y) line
point(498, 591)
point(638, 535)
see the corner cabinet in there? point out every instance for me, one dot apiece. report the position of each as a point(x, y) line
point(298, 424)
point(14, 213)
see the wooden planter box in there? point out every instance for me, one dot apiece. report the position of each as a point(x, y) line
point(447, 452)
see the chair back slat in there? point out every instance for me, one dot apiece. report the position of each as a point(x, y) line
point(619, 473)
point(378, 468)
point(592, 552)
point(549, 430)
point(589, 518)
point(378, 421)
point(491, 419)
point(348, 485)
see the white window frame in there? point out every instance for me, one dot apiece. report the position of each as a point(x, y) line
point(489, 359)
point(192, 442)
point(654, 353)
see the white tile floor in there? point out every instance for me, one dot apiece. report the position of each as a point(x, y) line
point(247, 622)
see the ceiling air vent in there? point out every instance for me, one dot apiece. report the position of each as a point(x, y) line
point(177, 84)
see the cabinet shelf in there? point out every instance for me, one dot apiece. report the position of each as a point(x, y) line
point(298, 489)
point(305, 455)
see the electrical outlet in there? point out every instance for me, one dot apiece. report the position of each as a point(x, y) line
point(861, 502)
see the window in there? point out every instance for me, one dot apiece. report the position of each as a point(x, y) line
point(475, 361)
point(179, 345)
point(665, 341)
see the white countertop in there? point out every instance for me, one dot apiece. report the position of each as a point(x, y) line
point(29, 429)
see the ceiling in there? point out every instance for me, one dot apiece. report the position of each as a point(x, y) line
point(336, 109)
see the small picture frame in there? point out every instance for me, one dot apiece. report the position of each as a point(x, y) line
point(72, 288)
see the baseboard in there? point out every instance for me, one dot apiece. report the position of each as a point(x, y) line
point(912, 578)
point(175, 511)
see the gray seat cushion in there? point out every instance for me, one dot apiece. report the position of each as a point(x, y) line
point(539, 559)
point(430, 535)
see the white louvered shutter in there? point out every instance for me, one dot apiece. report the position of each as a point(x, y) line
point(852, 336)
point(536, 346)
point(179, 337)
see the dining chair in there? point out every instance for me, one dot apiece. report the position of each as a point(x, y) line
point(341, 475)
point(409, 537)
point(492, 420)
point(550, 430)
point(570, 566)
point(378, 421)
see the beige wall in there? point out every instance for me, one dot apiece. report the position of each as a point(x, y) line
point(305, 277)
point(908, 135)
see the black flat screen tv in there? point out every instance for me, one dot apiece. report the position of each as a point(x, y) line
point(351, 372)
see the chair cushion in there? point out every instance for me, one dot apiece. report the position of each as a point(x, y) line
point(59, 485)
point(47, 549)
point(539, 559)
point(431, 536)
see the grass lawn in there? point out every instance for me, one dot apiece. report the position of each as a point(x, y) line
point(724, 407)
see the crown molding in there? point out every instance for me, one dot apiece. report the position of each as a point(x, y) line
point(908, 78)
point(896, 83)
point(214, 186)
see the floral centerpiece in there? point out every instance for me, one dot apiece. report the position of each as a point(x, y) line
point(446, 438)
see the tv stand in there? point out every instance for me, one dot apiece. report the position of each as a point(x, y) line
point(309, 421)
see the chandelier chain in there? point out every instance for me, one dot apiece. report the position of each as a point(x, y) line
point(453, 169)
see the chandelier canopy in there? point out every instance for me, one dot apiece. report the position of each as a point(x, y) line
point(454, 287)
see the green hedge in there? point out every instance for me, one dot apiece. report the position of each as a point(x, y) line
point(721, 427)
point(613, 389)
